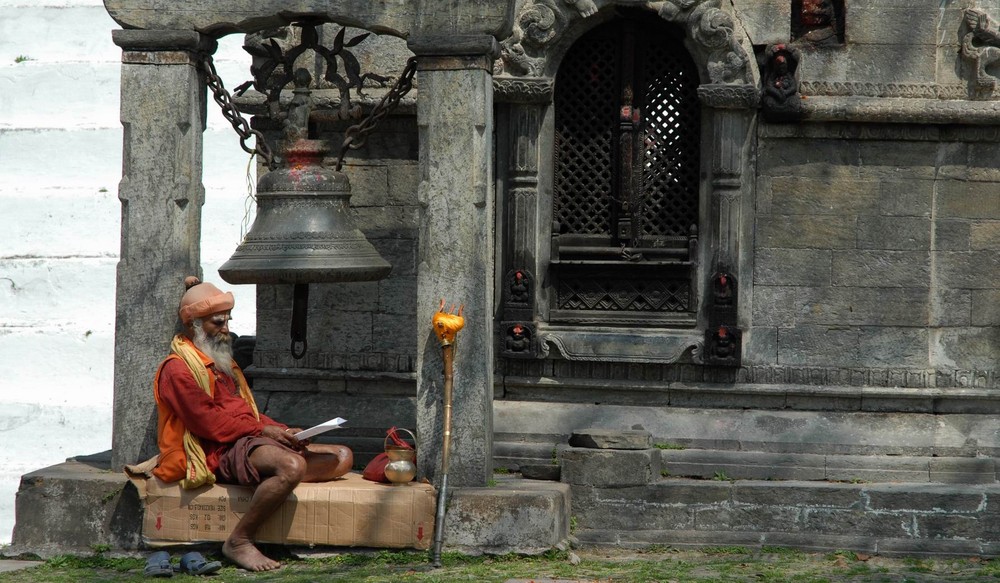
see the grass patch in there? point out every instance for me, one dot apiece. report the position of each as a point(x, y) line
point(668, 446)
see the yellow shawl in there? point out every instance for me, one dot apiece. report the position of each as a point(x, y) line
point(198, 473)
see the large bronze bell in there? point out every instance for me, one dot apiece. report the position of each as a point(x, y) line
point(304, 232)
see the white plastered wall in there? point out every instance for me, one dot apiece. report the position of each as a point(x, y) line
point(60, 164)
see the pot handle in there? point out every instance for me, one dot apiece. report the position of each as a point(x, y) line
point(385, 442)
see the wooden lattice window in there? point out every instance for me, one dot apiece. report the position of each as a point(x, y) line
point(626, 177)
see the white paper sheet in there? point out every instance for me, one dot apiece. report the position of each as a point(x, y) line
point(321, 428)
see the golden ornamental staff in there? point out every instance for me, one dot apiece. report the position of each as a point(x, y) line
point(446, 326)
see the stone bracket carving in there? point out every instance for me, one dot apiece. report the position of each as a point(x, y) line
point(980, 38)
point(538, 23)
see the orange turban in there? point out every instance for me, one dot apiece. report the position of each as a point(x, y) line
point(203, 299)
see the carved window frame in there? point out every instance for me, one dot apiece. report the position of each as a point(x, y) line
point(524, 88)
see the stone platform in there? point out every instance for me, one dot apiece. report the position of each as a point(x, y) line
point(81, 504)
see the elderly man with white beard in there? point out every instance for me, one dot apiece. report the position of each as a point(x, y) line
point(209, 427)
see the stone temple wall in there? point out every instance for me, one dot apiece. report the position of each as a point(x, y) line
point(872, 283)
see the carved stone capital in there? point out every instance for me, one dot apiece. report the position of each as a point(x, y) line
point(729, 96)
point(163, 40)
point(522, 90)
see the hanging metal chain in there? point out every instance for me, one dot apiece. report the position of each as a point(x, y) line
point(356, 135)
point(232, 115)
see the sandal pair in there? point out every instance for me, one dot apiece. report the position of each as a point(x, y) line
point(193, 563)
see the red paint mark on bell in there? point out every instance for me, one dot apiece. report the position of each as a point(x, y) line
point(159, 521)
point(420, 532)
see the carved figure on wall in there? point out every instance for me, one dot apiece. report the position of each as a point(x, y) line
point(723, 346)
point(780, 93)
point(981, 45)
point(518, 339)
point(520, 288)
point(817, 21)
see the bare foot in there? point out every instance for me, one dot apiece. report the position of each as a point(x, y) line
point(246, 555)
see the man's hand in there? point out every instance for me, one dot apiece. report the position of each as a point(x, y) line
point(284, 437)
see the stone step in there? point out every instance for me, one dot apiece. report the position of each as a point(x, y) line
point(886, 519)
point(754, 465)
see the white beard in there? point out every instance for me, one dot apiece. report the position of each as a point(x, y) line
point(218, 348)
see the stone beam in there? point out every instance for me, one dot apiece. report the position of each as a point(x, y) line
point(163, 116)
point(395, 17)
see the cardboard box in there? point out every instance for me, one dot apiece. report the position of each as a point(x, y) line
point(350, 512)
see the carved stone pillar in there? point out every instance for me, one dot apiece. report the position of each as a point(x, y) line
point(730, 114)
point(518, 334)
point(163, 115)
point(455, 257)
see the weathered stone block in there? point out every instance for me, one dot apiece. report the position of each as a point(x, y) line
point(382, 222)
point(846, 522)
point(985, 236)
point(403, 182)
point(862, 306)
point(985, 304)
point(883, 269)
point(818, 64)
point(765, 21)
point(597, 438)
point(794, 195)
point(905, 198)
point(748, 518)
point(828, 159)
point(892, 347)
point(869, 25)
point(774, 305)
point(395, 332)
point(967, 200)
point(804, 345)
point(627, 509)
point(883, 159)
point(369, 184)
point(340, 331)
point(903, 233)
point(516, 516)
point(760, 346)
point(953, 307)
point(357, 296)
point(398, 295)
point(851, 470)
point(400, 253)
point(603, 468)
point(806, 232)
point(73, 506)
point(749, 465)
point(972, 270)
point(963, 470)
point(891, 63)
point(952, 235)
point(792, 267)
point(981, 165)
point(812, 495)
point(908, 547)
point(923, 498)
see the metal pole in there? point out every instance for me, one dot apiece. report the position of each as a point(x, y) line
point(446, 326)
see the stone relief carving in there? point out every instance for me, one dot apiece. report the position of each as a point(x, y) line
point(539, 22)
point(981, 46)
point(780, 98)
